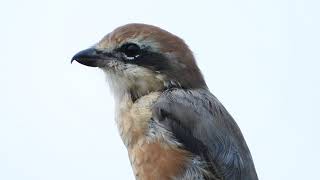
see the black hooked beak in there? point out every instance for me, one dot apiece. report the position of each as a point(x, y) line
point(90, 57)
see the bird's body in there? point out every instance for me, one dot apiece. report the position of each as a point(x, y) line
point(171, 124)
point(154, 153)
point(150, 154)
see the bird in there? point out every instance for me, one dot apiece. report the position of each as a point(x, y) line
point(172, 126)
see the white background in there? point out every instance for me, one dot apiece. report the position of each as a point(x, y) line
point(260, 58)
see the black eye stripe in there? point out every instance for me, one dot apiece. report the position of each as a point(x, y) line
point(145, 57)
point(131, 50)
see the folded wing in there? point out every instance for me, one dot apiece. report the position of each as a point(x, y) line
point(200, 122)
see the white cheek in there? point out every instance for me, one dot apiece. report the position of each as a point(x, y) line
point(125, 77)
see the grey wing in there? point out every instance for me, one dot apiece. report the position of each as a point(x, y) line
point(204, 127)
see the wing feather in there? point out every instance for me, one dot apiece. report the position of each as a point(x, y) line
point(200, 122)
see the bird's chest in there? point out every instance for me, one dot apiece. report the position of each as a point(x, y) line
point(151, 154)
point(133, 118)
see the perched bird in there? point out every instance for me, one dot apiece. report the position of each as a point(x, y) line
point(171, 124)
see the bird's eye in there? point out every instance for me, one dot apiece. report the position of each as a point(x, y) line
point(130, 50)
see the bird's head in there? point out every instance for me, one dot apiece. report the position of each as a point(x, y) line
point(140, 58)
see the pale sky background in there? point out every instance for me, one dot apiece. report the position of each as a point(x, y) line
point(260, 58)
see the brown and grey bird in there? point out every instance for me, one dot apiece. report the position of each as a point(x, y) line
point(171, 124)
